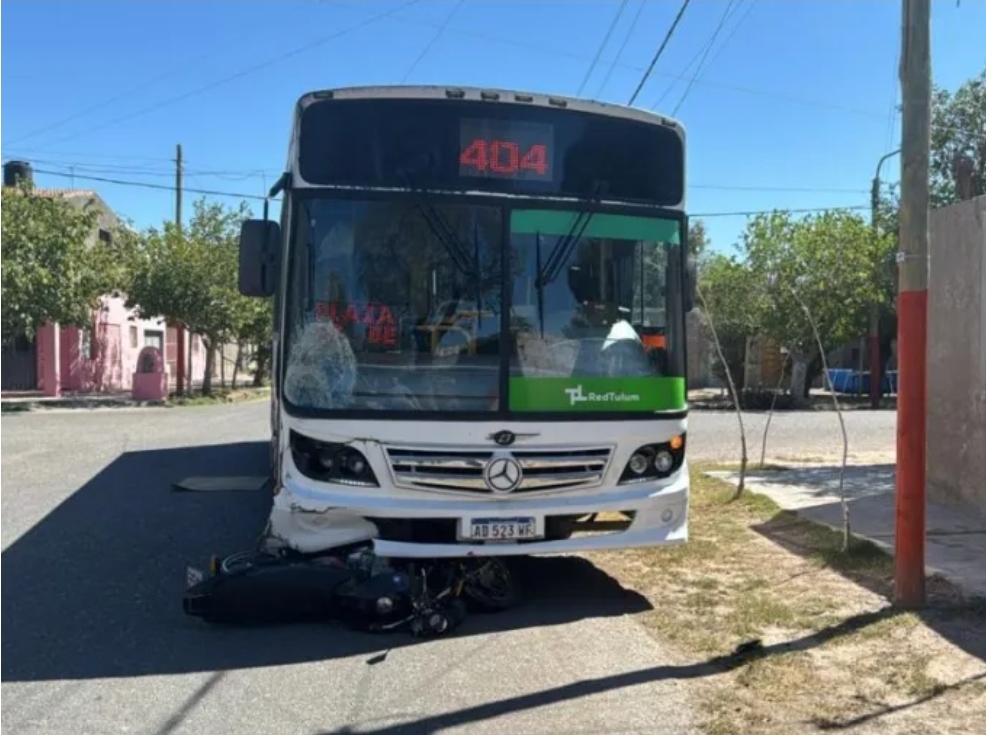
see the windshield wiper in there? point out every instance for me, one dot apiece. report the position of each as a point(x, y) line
point(440, 228)
point(562, 250)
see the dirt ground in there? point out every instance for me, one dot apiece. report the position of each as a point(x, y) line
point(793, 635)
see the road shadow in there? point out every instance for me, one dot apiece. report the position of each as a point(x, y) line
point(94, 589)
point(743, 655)
point(956, 615)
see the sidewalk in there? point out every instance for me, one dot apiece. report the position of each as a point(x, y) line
point(956, 539)
point(30, 401)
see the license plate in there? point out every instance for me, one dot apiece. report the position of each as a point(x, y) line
point(500, 529)
point(193, 576)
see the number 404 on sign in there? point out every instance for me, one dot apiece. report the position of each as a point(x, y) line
point(504, 157)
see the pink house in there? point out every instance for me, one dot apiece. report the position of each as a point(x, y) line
point(102, 358)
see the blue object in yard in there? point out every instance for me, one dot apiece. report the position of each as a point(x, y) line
point(850, 382)
point(842, 380)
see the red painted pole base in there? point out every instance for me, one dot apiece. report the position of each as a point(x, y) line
point(912, 403)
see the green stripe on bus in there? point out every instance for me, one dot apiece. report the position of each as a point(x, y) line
point(576, 395)
point(617, 226)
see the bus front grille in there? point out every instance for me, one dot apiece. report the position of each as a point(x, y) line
point(462, 470)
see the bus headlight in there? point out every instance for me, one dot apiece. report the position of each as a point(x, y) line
point(638, 462)
point(654, 461)
point(663, 461)
point(329, 462)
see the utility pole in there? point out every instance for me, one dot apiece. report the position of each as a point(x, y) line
point(179, 329)
point(876, 375)
point(912, 303)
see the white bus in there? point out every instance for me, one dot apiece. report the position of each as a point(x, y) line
point(479, 341)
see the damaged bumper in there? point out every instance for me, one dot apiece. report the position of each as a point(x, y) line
point(309, 517)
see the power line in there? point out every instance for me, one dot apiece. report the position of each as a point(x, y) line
point(619, 52)
point(575, 56)
point(556, 52)
point(232, 175)
point(149, 185)
point(732, 32)
point(705, 55)
point(122, 95)
point(602, 46)
point(253, 173)
point(691, 62)
point(238, 75)
point(434, 39)
point(257, 197)
point(660, 50)
point(806, 210)
point(808, 189)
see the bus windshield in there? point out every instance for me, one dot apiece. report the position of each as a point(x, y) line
point(397, 305)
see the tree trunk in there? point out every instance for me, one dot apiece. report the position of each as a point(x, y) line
point(262, 359)
point(236, 364)
point(210, 361)
point(799, 381)
point(221, 354)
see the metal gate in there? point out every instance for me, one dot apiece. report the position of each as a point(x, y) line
point(19, 364)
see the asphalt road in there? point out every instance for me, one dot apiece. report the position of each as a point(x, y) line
point(94, 549)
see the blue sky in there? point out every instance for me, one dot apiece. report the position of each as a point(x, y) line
point(792, 107)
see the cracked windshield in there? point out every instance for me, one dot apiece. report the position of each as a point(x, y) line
point(397, 305)
point(432, 367)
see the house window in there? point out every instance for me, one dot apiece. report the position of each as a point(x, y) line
point(133, 337)
point(154, 338)
point(105, 237)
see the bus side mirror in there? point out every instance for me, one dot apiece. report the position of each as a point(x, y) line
point(691, 282)
point(258, 257)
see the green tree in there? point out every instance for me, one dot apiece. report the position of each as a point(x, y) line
point(189, 276)
point(54, 267)
point(735, 301)
point(958, 140)
point(698, 238)
point(824, 263)
point(255, 327)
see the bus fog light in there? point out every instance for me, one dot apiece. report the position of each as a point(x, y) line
point(667, 515)
point(663, 461)
point(638, 463)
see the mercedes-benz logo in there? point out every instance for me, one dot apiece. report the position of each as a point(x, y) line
point(503, 474)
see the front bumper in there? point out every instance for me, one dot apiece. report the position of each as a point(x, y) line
point(310, 517)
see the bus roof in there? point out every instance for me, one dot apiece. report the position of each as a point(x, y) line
point(503, 96)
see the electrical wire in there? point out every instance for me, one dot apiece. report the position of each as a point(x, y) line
point(660, 50)
point(258, 197)
point(684, 72)
point(555, 52)
point(196, 61)
point(732, 31)
point(238, 75)
point(602, 46)
point(77, 169)
point(149, 185)
point(619, 52)
point(434, 39)
point(705, 55)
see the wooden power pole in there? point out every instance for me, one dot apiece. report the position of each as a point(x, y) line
point(179, 329)
point(912, 303)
